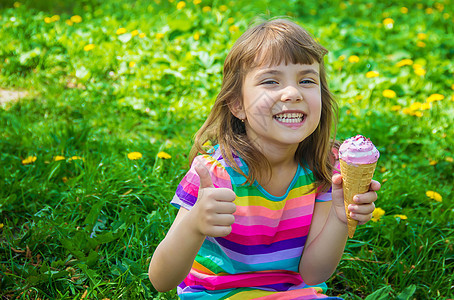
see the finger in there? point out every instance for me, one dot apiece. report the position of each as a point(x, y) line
point(374, 185)
point(224, 194)
point(362, 219)
point(364, 209)
point(204, 175)
point(220, 231)
point(224, 220)
point(366, 198)
point(337, 182)
point(225, 208)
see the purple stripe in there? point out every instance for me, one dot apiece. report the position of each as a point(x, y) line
point(185, 197)
point(262, 249)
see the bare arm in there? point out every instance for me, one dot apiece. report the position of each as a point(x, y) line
point(211, 215)
point(173, 258)
point(328, 234)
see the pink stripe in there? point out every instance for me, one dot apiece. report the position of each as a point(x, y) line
point(243, 280)
point(267, 240)
point(266, 219)
point(306, 200)
point(264, 229)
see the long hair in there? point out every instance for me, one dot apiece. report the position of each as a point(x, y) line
point(269, 43)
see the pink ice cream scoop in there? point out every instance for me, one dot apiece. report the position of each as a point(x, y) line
point(358, 150)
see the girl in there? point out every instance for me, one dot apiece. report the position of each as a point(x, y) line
point(261, 215)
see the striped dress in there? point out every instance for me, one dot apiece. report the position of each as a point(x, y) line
point(259, 259)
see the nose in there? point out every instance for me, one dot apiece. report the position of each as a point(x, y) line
point(291, 94)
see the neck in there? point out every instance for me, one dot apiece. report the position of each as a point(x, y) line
point(280, 157)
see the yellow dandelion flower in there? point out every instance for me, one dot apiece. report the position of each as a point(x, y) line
point(76, 158)
point(389, 94)
point(164, 155)
point(404, 166)
point(121, 31)
point(342, 57)
point(422, 36)
point(404, 62)
point(377, 214)
point(134, 32)
point(429, 10)
point(425, 106)
point(435, 97)
point(64, 179)
point(134, 155)
point(223, 8)
point(404, 10)
point(29, 160)
point(449, 159)
point(76, 19)
point(434, 195)
point(132, 64)
point(59, 157)
point(433, 162)
point(396, 108)
point(16, 5)
point(230, 20)
point(181, 5)
point(388, 22)
point(69, 22)
point(446, 16)
point(419, 6)
point(206, 9)
point(402, 217)
point(420, 71)
point(89, 47)
point(55, 18)
point(47, 20)
point(142, 35)
point(383, 169)
point(234, 28)
point(372, 74)
point(407, 111)
point(439, 6)
point(353, 59)
point(197, 2)
point(416, 106)
point(196, 36)
point(452, 86)
point(420, 44)
point(159, 36)
point(419, 114)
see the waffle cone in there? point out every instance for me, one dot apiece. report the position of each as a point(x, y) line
point(356, 180)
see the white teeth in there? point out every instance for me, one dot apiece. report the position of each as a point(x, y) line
point(290, 117)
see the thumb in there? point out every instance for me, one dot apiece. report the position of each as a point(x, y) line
point(205, 178)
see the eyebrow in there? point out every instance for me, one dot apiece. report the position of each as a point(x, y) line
point(277, 72)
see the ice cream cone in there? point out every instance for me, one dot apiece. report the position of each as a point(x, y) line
point(356, 180)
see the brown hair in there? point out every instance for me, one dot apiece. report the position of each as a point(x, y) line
point(271, 42)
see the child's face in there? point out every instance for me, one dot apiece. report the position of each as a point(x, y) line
point(281, 104)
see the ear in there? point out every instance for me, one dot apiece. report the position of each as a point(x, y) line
point(237, 109)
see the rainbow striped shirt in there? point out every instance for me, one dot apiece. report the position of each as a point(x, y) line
point(259, 259)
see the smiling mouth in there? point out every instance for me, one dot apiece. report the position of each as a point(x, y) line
point(290, 118)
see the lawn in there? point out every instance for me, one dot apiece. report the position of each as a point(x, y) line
point(99, 102)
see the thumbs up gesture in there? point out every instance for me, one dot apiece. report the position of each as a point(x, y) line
point(213, 211)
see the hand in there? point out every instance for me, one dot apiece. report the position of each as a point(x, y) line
point(364, 203)
point(213, 211)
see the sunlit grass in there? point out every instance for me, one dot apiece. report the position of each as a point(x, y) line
point(114, 92)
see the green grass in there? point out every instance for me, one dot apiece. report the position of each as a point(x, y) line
point(86, 226)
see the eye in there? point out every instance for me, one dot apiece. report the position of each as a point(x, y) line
point(307, 81)
point(269, 82)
